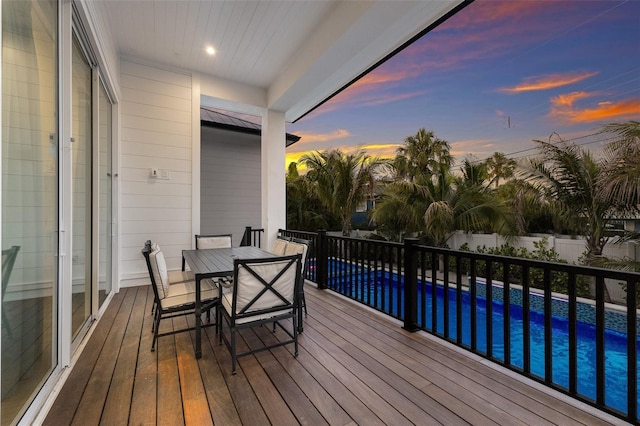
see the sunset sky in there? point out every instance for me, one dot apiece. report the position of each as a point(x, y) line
point(494, 77)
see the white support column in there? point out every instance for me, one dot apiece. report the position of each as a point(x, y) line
point(274, 210)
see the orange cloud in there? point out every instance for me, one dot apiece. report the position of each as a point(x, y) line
point(382, 150)
point(563, 108)
point(480, 147)
point(547, 82)
point(394, 98)
point(309, 137)
point(380, 76)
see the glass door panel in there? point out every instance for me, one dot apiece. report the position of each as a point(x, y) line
point(29, 201)
point(81, 190)
point(105, 204)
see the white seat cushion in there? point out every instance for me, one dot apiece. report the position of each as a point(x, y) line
point(159, 269)
point(279, 247)
point(180, 276)
point(221, 241)
point(297, 248)
point(185, 292)
point(227, 297)
point(249, 287)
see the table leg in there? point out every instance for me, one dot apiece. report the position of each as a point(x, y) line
point(198, 311)
point(183, 263)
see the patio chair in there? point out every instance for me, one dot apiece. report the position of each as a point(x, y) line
point(265, 291)
point(210, 242)
point(213, 241)
point(174, 299)
point(8, 259)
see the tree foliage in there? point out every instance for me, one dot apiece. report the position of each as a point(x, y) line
point(341, 181)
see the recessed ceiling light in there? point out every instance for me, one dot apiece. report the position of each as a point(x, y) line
point(211, 50)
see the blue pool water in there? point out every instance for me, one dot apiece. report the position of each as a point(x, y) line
point(386, 296)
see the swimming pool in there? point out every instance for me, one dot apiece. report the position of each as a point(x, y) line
point(381, 291)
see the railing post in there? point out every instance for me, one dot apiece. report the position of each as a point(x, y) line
point(246, 238)
point(410, 285)
point(322, 260)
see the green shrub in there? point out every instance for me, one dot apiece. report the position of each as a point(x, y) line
point(559, 280)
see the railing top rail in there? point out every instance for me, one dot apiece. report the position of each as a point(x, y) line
point(519, 261)
point(384, 243)
point(533, 263)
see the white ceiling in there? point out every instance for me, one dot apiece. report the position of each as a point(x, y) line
point(297, 52)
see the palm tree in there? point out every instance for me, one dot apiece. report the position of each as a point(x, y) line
point(620, 178)
point(500, 167)
point(530, 211)
point(429, 200)
point(568, 176)
point(619, 181)
point(464, 204)
point(304, 209)
point(422, 155)
point(342, 181)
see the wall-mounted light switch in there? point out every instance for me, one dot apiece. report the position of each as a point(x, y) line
point(164, 174)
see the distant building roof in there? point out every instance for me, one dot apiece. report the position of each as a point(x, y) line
point(214, 118)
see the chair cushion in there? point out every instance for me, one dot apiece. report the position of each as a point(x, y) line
point(227, 297)
point(297, 248)
point(164, 273)
point(221, 241)
point(279, 247)
point(159, 267)
point(185, 292)
point(248, 287)
point(180, 276)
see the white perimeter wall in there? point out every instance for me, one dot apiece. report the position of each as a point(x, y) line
point(569, 249)
point(156, 132)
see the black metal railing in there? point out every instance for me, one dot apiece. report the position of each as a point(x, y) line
point(252, 237)
point(313, 238)
point(529, 316)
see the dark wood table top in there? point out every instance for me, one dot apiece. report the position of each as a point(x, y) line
point(207, 263)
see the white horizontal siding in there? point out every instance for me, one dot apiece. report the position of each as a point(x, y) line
point(155, 133)
point(230, 191)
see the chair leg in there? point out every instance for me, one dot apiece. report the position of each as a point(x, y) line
point(153, 324)
point(295, 336)
point(233, 351)
point(155, 331)
point(304, 303)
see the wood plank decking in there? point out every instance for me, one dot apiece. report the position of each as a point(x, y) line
point(355, 366)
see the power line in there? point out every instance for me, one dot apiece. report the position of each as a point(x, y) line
point(512, 154)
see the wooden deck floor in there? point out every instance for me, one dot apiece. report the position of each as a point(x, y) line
point(354, 367)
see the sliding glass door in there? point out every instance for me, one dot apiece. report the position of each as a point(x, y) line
point(105, 204)
point(30, 201)
point(81, 148)
point(56, 202)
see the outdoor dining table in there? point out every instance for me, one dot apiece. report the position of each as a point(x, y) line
point(212, 263)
